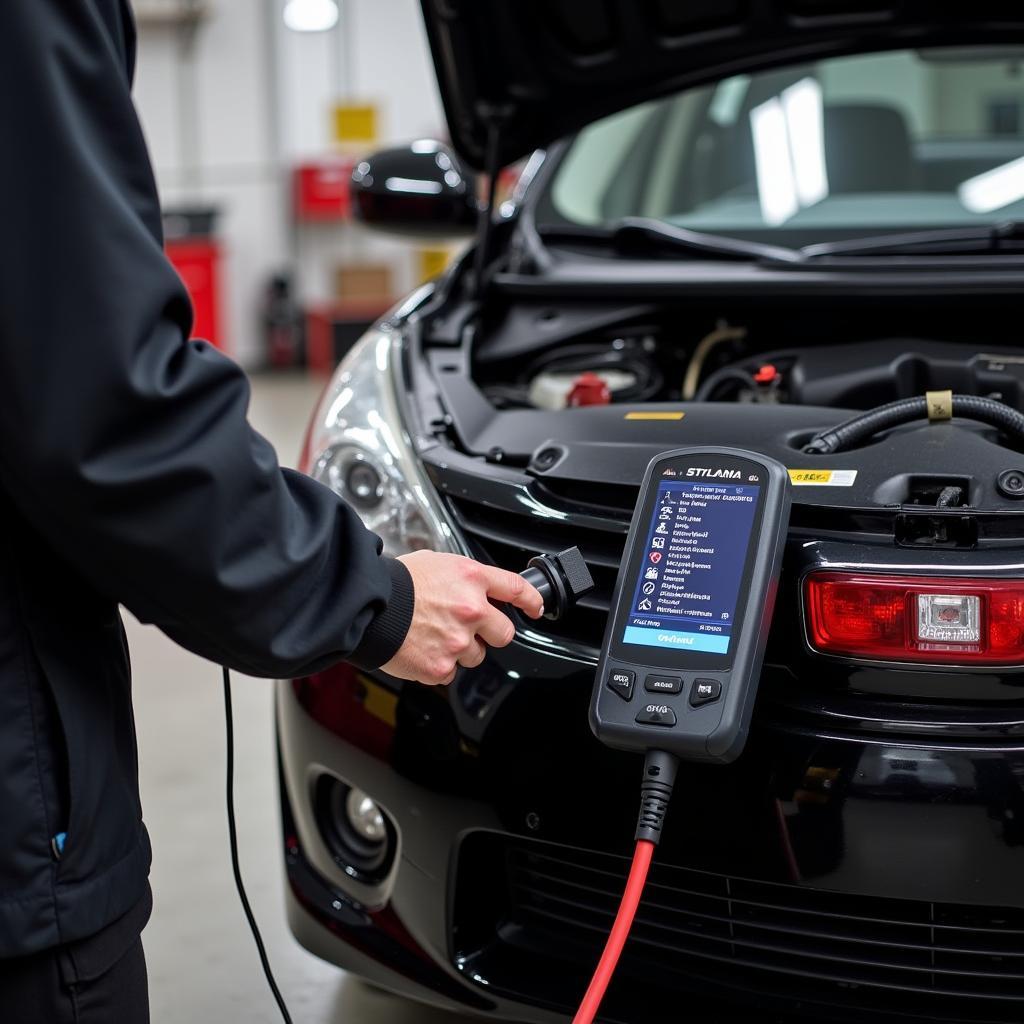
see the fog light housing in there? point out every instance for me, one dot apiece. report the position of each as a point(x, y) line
point(937, 620)
point(356, 830)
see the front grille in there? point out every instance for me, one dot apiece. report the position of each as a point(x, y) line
point(511, 538)
point(803, 948)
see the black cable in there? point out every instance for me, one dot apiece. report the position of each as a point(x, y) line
point(860, 428)
point(727, 375)
point(655, 793)
point(229, 726)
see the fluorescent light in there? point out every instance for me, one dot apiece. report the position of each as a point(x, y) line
point(994, 189)
point(776, 187)
point(311, 15)
point(802, 105)
point(789, 151)
point(727, 99)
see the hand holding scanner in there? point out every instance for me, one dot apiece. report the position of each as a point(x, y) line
point(682, 654)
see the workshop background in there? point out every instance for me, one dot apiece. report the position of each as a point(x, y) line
point(253, 127)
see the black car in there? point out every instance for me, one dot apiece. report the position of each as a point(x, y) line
point(743, 224)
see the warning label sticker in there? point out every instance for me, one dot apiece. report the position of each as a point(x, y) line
point(822, 477)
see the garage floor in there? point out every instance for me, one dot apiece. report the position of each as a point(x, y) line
point(202, 962)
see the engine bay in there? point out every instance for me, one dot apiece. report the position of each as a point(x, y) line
point(584, 393)
point(638, 363)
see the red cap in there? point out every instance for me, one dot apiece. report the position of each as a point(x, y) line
point(766, 374)
point(589, 389)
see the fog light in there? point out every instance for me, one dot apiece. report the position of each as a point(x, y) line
point(949, 618)
point(365, 817)
point(358, 833)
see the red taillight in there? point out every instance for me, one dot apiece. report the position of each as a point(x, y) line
point(938, 620)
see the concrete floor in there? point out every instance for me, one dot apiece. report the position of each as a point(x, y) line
point(202, 962)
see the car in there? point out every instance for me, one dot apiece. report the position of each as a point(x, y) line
point(742, 224)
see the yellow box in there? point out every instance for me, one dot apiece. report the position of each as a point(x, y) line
point(431, 262)
point(354, 122)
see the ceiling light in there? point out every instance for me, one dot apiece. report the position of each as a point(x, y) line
point(776, 188)
point(789, 151)
point(311, 15)
point(803, 107)
point(994, 189)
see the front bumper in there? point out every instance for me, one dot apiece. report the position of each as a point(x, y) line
point(826, 874)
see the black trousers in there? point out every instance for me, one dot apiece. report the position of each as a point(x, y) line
point(42, 989)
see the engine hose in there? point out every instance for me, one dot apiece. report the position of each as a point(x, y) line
point(858, 429)
point(728, 375)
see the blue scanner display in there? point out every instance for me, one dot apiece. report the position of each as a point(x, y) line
point(689, 581)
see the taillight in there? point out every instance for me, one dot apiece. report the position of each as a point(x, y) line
point(929, 619)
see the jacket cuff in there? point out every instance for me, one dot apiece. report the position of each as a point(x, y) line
point(386, 633)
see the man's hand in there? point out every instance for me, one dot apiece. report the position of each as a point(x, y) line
point(453, 620)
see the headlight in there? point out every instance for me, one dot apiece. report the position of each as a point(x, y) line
point(358, 445)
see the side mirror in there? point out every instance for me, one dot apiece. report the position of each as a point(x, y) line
point(420, 189)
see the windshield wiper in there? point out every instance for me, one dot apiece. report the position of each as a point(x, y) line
point(644, 234)
point(985, 238)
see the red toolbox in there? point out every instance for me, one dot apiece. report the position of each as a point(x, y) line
point(192, 247)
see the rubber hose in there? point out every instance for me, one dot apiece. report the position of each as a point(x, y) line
point(727, 375)
point(858, 429)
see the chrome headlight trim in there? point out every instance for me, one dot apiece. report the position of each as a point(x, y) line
point(359, 423)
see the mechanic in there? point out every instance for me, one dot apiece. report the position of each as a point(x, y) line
point(129, 474)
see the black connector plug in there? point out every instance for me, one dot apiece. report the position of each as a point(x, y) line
point(561, 579)
point(655, 793)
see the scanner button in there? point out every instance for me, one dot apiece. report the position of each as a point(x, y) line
point(621, 681)
point(663, 684)
point(705, 691)
point(657, 714)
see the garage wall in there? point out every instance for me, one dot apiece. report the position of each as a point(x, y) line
point(377, 54)
point(889, 79)
point(228, 110)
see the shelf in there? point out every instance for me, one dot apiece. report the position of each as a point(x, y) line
point(182, 12)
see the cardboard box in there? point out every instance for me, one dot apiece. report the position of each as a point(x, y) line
point(363, 282)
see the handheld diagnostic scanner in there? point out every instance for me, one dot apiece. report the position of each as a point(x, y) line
point(682, 653)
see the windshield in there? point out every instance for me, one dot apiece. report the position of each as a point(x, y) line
point(843, 147)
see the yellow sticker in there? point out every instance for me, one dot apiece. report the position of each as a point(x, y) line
point(655, 415)
point(354, 122)
point(822, 477)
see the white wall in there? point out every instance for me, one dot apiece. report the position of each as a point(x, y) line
point(888, 78)
point(229, 115)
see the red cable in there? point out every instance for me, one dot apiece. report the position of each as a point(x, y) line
point(619, 933)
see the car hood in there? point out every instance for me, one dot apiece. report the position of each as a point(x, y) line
point(516, 74)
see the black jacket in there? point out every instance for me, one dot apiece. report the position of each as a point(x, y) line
point(128, 473)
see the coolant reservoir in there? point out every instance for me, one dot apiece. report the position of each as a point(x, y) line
point(552, 390)
point(589, 389)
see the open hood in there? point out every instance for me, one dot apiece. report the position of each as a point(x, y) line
point(516, 74)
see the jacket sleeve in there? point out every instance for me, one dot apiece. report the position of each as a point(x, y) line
point(124, 444)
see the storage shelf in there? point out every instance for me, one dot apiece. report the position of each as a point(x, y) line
point(152, 13)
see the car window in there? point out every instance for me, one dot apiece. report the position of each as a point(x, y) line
point(904, 138)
